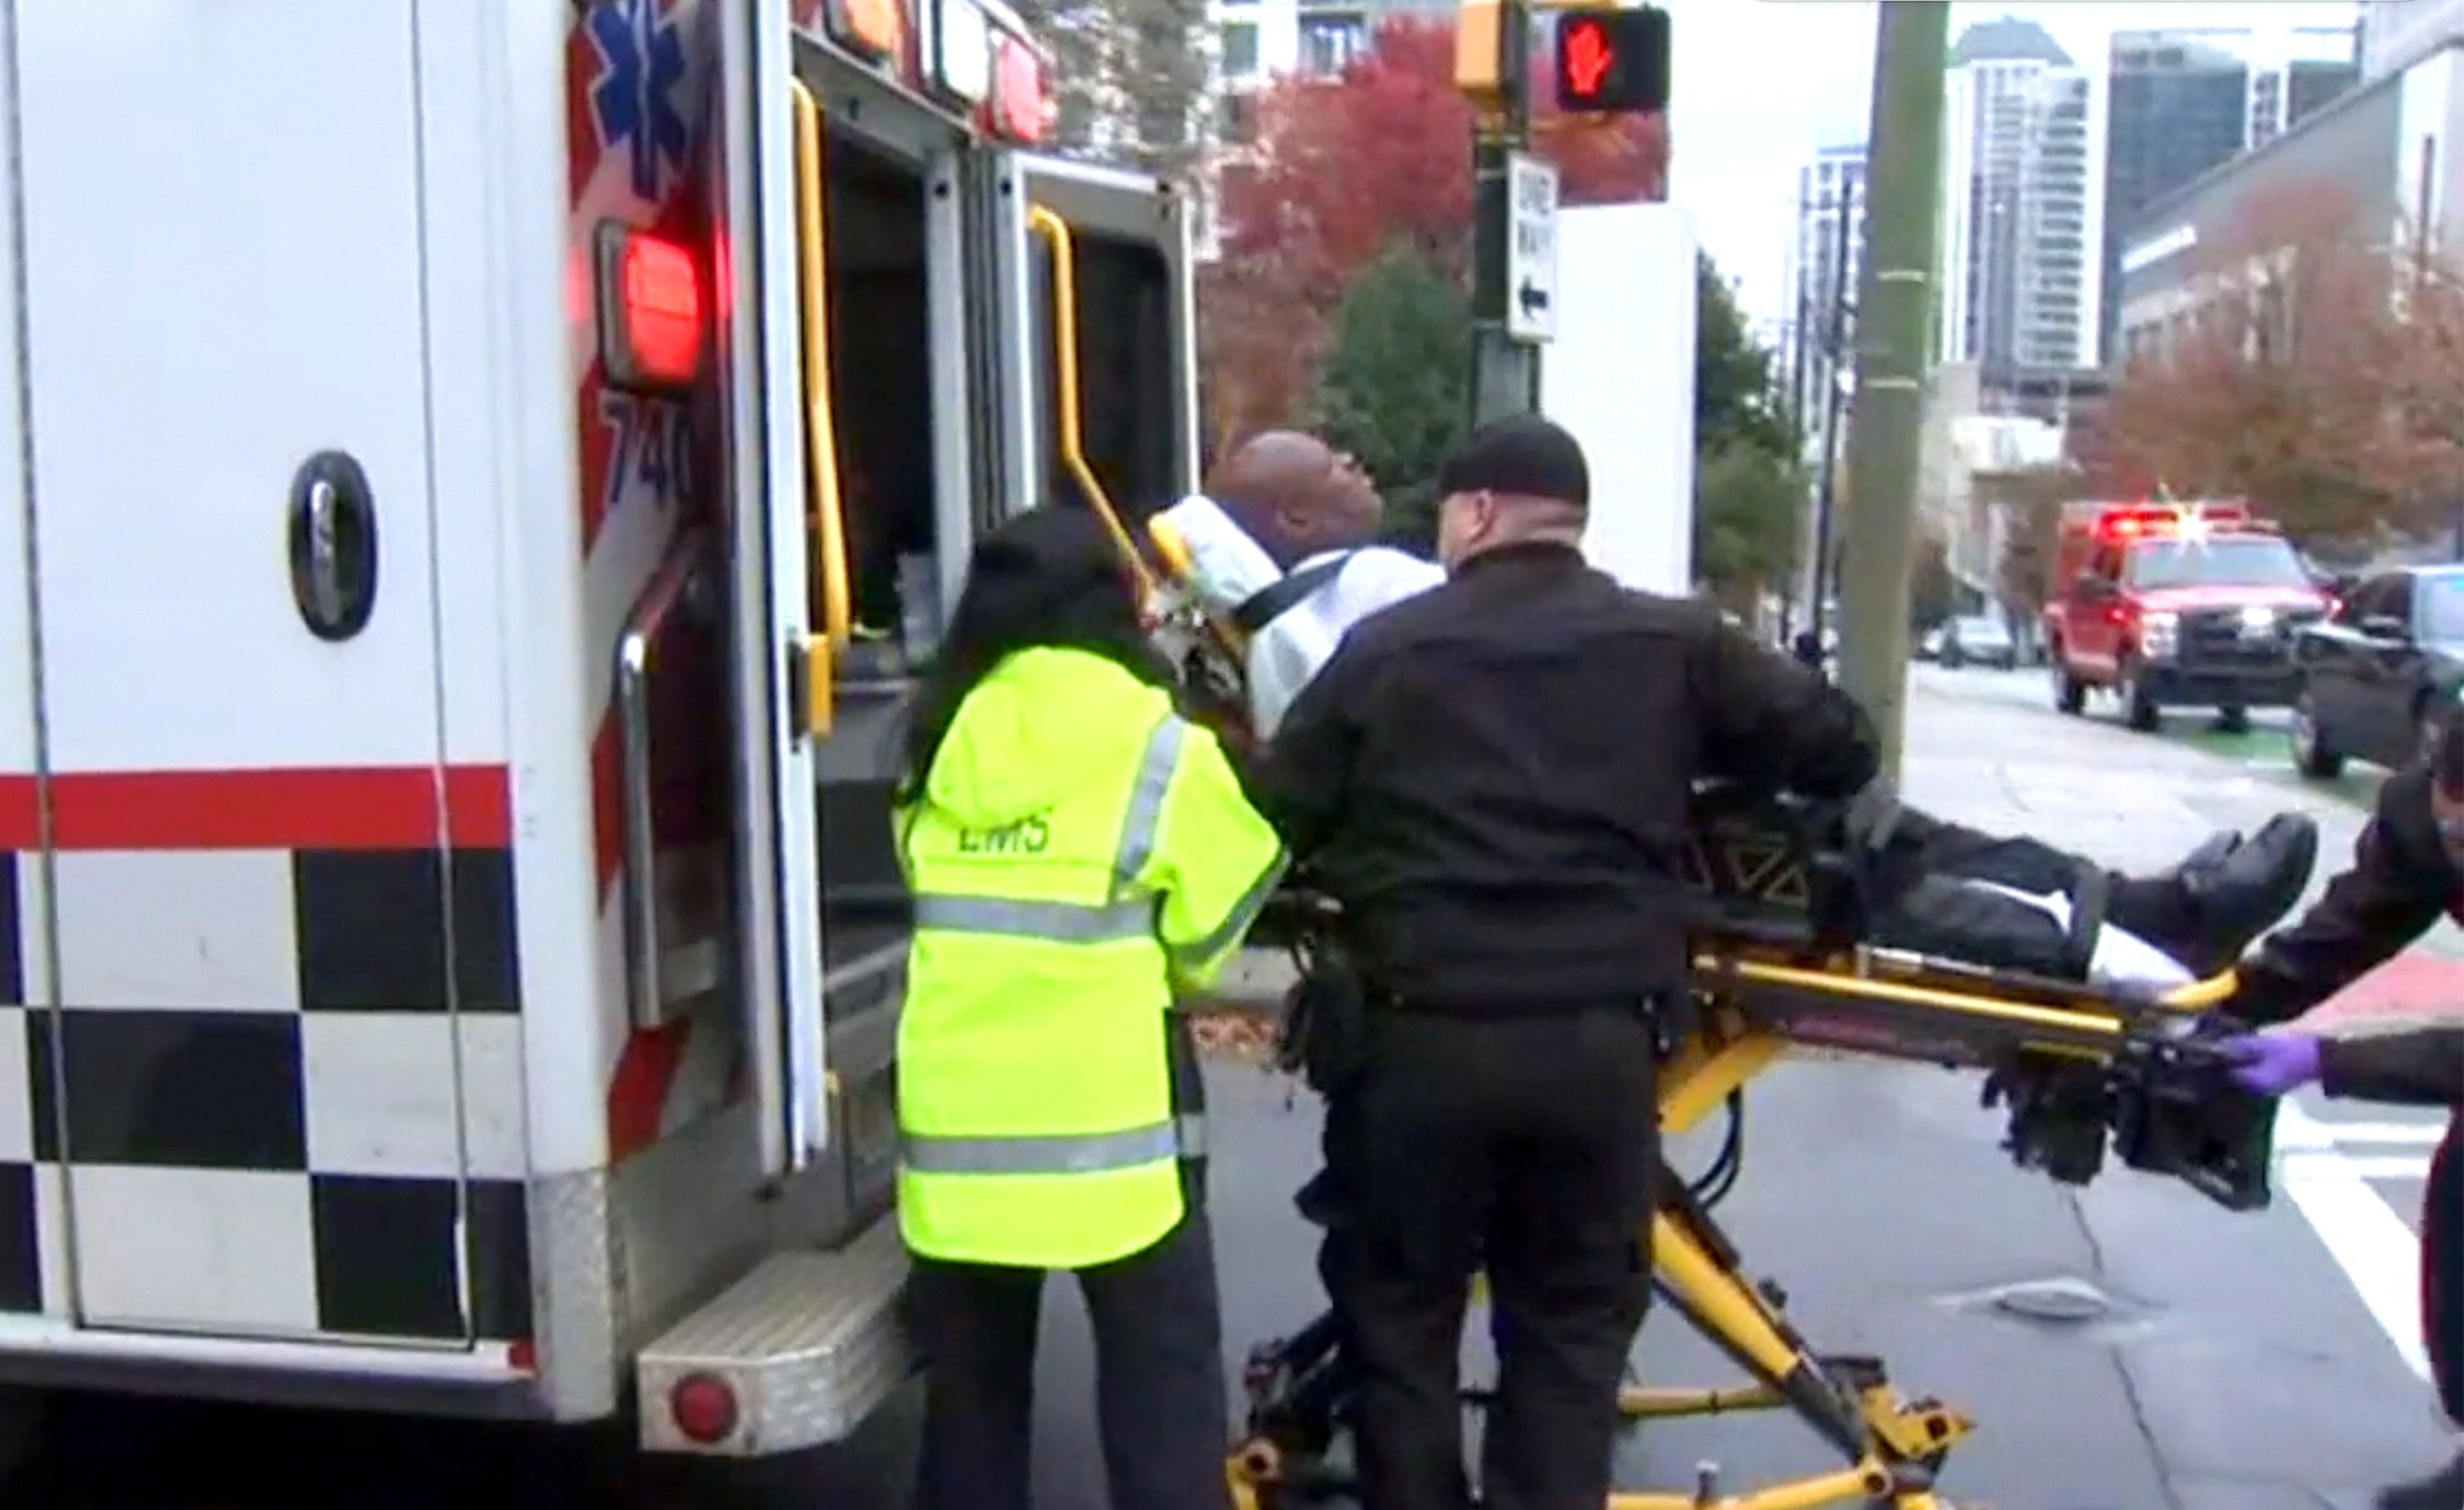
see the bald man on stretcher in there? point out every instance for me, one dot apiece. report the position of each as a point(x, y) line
point(1280, 550)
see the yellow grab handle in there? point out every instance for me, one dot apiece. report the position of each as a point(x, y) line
point(826, 510)
point(1055, 232)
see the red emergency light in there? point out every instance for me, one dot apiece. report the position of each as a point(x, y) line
point(650, 309)
point(2138, 521)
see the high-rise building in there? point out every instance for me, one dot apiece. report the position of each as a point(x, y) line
point(1830, 187)
point(2183, 101)
point(2022, 212)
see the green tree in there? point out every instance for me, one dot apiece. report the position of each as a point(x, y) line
point(1746, 504)
point(1749, 492)
point(1736, 394)
point(1391, 389)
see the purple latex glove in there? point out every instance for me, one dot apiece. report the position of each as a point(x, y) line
point(2272, 1064)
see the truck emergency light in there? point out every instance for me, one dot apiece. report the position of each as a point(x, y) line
point(650, 309)
point(2160, 520)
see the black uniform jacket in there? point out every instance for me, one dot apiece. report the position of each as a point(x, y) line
point(1494, 778)
point(2399, 883)
point(2413, 1066)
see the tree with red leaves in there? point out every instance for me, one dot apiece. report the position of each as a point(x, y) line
point(1344, 168)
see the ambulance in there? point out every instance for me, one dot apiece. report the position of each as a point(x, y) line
point(481, 477)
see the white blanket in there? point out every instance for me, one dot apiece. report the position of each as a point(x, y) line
point(1227, 568)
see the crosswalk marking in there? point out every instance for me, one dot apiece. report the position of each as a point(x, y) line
point(2359, 1229)
point(2368, 1166)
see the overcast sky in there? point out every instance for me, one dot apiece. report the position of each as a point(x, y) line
point(1758, 85)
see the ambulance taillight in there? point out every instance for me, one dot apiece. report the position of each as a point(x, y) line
point(705, 1409)
point(650, 315)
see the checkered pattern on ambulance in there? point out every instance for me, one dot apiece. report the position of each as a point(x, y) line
point(312, 1020)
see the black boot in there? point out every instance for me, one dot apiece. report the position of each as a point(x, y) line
point(2443, 1490)
point(2209, 908)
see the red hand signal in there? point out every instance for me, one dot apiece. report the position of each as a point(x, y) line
point(1589, 57)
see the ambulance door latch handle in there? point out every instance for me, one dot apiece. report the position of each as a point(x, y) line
point(333, 546)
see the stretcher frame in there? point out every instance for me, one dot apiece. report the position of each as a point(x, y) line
point(1760, 991)
point(1758, 999)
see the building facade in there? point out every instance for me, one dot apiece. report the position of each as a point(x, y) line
point(2185, 101)
point(2022, 212)
point(2396, 33)
point(2390, 150)
point(1257, 40)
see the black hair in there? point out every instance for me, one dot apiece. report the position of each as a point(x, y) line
point(2446, 758)
point(1052, 579)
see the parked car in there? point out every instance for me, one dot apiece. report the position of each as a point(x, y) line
point(1978, 642)
point(2380, 678)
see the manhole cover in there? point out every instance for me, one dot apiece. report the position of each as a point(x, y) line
point(2053, 1301)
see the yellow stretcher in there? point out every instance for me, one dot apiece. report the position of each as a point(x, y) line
point(1777, 964)
point(2078, 1068)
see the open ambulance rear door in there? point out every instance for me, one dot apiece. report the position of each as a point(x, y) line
point(1097, 390)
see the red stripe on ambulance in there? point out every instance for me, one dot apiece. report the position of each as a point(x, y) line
point(363, 808)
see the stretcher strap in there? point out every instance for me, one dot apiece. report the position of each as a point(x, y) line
point(2090, 894)
point(1271, 602)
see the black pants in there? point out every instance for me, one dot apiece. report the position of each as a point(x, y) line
point(1525, 1146)
point(1924, 905)
point(1159, 1399)
point(2154, 908)
point(2442, 1269)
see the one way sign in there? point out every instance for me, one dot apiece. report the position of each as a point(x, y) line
point(1532, 248)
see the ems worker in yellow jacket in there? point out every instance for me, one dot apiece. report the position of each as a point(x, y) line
point(1078, 855)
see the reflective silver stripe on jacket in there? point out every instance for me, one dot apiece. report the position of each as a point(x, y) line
point(1090, 1154)
point(1236, 921)
point(1053, 922)
point(1125, 916)
point(1140, 824)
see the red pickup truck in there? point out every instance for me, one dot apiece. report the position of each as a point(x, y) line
point(2177, 604)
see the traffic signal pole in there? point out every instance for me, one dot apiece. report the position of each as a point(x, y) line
point(1612, 62)
point(1894, 316)
point(1505, 372)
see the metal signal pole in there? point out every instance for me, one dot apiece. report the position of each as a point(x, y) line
point(1894, 316)
point(1836, 343)
point(1505, 372)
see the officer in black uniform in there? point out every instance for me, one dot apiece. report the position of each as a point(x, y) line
point(2407, 870)
point(1492, 781)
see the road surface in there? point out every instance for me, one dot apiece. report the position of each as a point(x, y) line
point(2238, 1363)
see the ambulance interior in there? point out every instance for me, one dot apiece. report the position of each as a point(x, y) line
point(881, 421)
point(1126, 371)
point(1126, 439)
point(881, 399)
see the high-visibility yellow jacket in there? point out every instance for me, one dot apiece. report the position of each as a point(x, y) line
point(1078, 852)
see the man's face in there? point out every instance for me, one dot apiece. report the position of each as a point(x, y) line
point(1338, 508)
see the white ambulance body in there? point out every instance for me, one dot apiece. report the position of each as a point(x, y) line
point(453, 948)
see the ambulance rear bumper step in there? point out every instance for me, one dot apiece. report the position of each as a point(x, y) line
point(796, 1354)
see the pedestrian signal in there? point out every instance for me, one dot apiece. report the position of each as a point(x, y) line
point(1612, 60)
